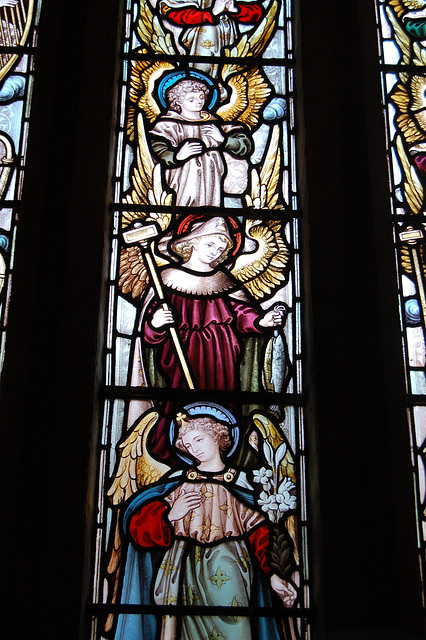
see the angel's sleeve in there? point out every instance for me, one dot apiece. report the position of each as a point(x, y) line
point(248, 12)
point(164, 151)
point(416, 28)
point(187, 16)
point(165, 137)
point(420, 162)
point(239, 143)
point(151, 335)
point(149, 526)
point(259, 542)
point(247, 317)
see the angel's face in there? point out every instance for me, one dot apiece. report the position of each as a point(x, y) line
point(192, 102)
point(210, 248)
point(201, 445)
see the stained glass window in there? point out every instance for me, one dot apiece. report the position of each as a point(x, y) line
point(402, 43)
point(202, 523)
point(18, 40)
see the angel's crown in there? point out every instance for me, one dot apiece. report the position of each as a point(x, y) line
point(182, 419)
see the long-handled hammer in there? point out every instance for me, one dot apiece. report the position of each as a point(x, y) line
point(141, 234)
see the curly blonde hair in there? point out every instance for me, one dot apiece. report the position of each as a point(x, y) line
point(218, 431)
point(175, 93)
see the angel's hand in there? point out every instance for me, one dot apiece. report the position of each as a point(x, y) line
point(161, 317)
point(189, 149)
point(214, 133)
point(273, 318)
point(285, 590)
point(184, 504)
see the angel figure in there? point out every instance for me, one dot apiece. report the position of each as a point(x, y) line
point(217, 132)
point(210, 310)
point(197, 149)
point(204, 27)
point(197, 538)
point(209, 307)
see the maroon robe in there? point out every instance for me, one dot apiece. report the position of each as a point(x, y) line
point(211, 313)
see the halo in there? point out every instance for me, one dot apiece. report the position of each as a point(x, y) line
point(173, 78)
point(208, 409)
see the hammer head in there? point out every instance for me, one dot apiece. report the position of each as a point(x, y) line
point(140, 233)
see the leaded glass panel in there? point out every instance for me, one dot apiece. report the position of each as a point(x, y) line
point(18, 40)
point(402, 48)
point(202, 516)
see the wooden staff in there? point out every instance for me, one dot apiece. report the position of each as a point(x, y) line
point(141, 234)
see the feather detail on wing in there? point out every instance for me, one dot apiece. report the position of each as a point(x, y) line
point(249, 93)
point(268, 429)
point(413, 188)
point(407, 260)
point(263, 270)
point(133, 276)
point(142, 84)
point(405, 120)
point(147, 183)
point(264, 188)
point(136, 467)
point(253, 42)
point(400, 6)
point(412, 52)
point(151, 32)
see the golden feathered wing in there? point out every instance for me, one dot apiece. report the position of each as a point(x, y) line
point(249, 87)
point(146, 179)
point(408, 96)
point(151, 32)
point(136, 468)
point(147, 189)
point(252, 43)
point(264, 269)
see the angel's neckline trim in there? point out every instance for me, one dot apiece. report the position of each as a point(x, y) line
point(174, 115)
point(193, 283)
point(226, 475)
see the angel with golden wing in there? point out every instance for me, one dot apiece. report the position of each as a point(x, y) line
point(199, 128)
point(186, 529)
point(207, 287)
